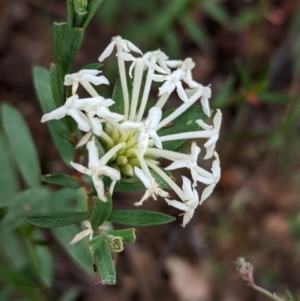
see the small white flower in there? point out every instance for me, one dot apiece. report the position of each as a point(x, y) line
point(128, 57)
point(215, 129)
point(159, 57)
point(122, 44)
point(198, 174)
point(96, 169)
point(85, 75)
point(152, 190)
point(97, 107)
point(190, 201)
point(69, 109)
point(146, 129)
point(216, 171)
point(171, 82)
point(87, 232)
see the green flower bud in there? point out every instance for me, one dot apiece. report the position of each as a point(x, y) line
point(127, 170)
point(116, 243)
point(80, 6)
point(121, 160)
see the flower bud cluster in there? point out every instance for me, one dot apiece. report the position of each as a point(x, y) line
point(130, 139)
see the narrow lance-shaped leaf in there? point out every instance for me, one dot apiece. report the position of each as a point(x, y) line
point(101, 210)
point(61, 180)
point(56, 219)
point(92, 8)
point(21, 145)
point(139, 218)
point(104, 262)
point(56, 127)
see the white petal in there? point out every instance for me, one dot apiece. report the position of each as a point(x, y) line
point(93, 155)
point(155, 138)
point(84, 139)
point(205, 105)
point(99, 186)
point(56, 114)
point(202, 124)
point(217, 120)
point(104, 113)
point(181, 92)
point(167, 87)
point(107, 51)
point(207, 192)
point(126, 56)
point(154, 115)
point(130, 125)
point(157, 77)
point(143, 142)
point(81, 119)
point(96, 80)
point(177, 204)
point(187, 217)
point(96, 126)
point(141, 175)
point(80, 236)
point(111, 172)
point(81, 168)
point(177, 164)
point(187, 188)
point(133, 48)
point(88, 71)
point(69, 79)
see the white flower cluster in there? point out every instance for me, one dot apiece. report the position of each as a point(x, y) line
point(131, 142)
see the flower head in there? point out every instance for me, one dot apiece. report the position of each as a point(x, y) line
point(128, 137)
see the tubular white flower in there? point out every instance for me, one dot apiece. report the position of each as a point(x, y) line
point(146, 129)
point(69, 109)
point(85, 77)
point(210, 145)
point(198, 174)
point(171, 82)
point(124, 45)
point(97, 167)
point(190, 201)
point(152, 190)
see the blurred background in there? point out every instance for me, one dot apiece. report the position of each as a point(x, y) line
point(249, 52)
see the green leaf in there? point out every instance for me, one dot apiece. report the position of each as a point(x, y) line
point(66, 43)
point(79, 252)
point(134, 184)
point(243, 73)
point(92, 8)
point(271, 97)
point(128, 235)
point(29, 201)
point(8, 179)
point(70, 10)
point(3, 212)
point(61, 180)
point(139, 218)
point(104, 262)
point(57, 87)
point(288, 296)
point(183, 123)
point(21, 145)
point(56, 219)
point(43, 89)
point(101, 210)
point(117, 96)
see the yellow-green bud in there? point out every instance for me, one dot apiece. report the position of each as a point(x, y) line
point(116, 243)
point(127, 170)
point(121, 160)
